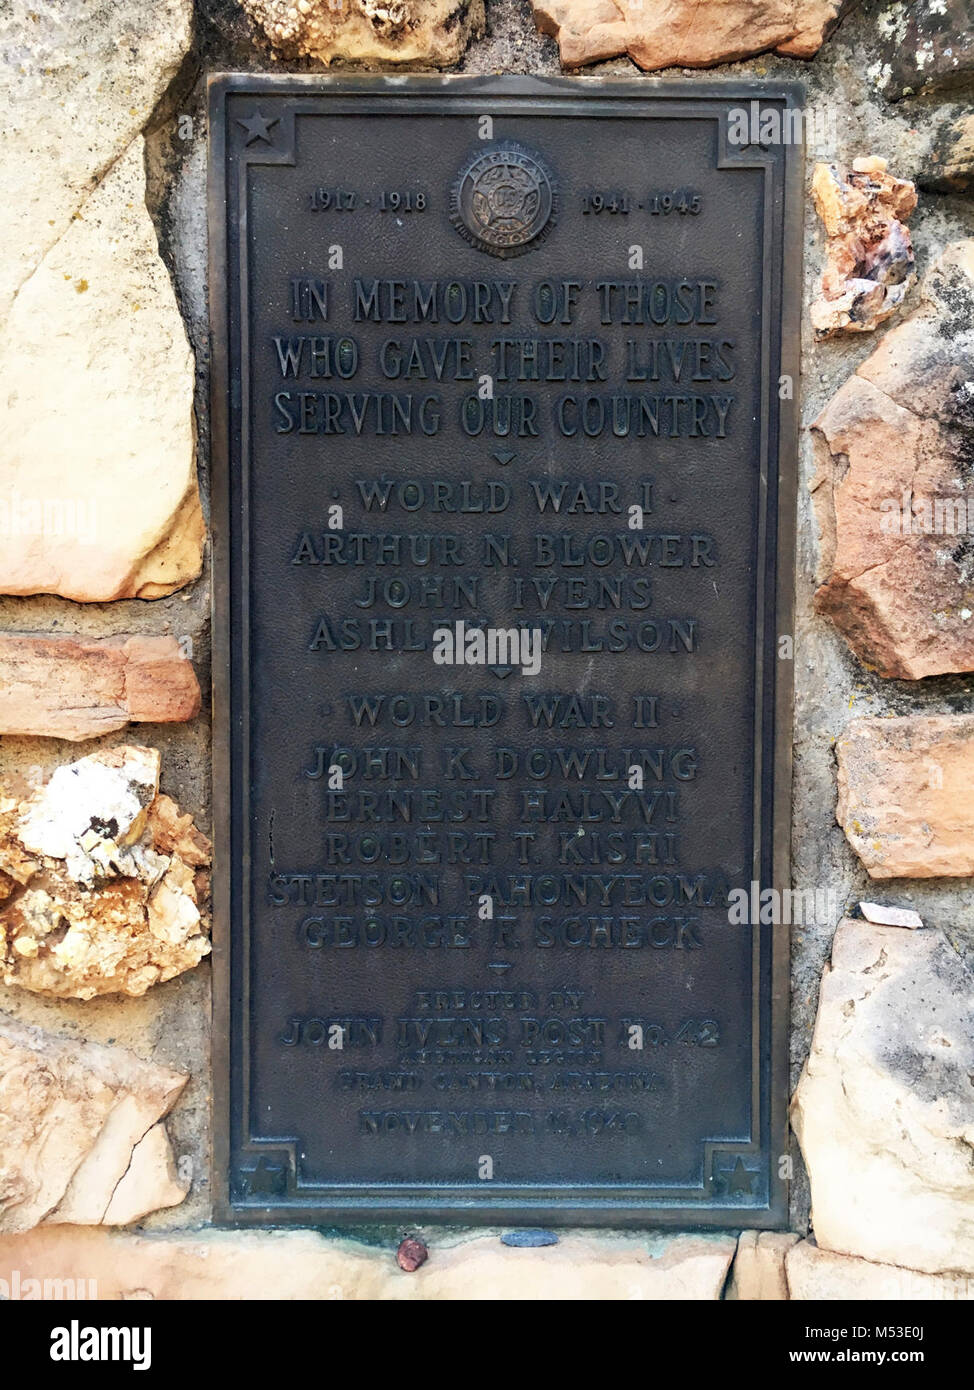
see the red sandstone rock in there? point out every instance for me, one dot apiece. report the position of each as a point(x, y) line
point(906, 794)
point(684, 33)
point(80, 687)
point(893, 494)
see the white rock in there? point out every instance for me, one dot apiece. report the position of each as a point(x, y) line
point(78, 82)
point(884, 916)
point(884, 1110)
point(71, 1115)
point(149, 1183)
point(92, 812)
point(97, 441)
point(114, 882)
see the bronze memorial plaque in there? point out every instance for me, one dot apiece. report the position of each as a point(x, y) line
point(503, 519)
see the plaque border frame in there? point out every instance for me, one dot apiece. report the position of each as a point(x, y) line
point(583, 1204)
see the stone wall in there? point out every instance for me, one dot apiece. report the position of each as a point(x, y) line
point(104, 646)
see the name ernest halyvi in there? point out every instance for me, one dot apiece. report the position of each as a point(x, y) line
point(460, 645)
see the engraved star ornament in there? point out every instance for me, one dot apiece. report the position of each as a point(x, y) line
point(739, 1180)
point(262, 1177)
point(257, 126)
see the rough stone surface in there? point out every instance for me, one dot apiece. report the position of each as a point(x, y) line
point(98, 497)
point(97, 451)
point(657, 1268)
point(816, 1275)
point(302, 1264)
point(928, 46)
point(906, 794)
point(758, 1271)
point(78, 688)
point(79, 81)
point(870, 265)
point(102, 881)
point(884, 1110)
point(149, 1182)
point(80, 1138)
point(683, 33)
point(948, 162)
point(374, 33)
point(892, 492)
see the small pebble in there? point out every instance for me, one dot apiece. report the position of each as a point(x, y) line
point(530, 1239)
point(882, 916)
point(411, 1254)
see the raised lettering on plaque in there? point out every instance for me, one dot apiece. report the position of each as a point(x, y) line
point(504, 444)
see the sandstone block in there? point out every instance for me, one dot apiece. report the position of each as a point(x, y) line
point(926, 46)
point(658, 1268)
point(816, 1275)
point(79, 83)
point(682, 33)
point(948, 163)
point(74, 1118)
point(892, 492)
point(758, 1271)
point(80, 687)
point(906, 794)
point(213, 1264)
point(97, 447)
point(884, 1109)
